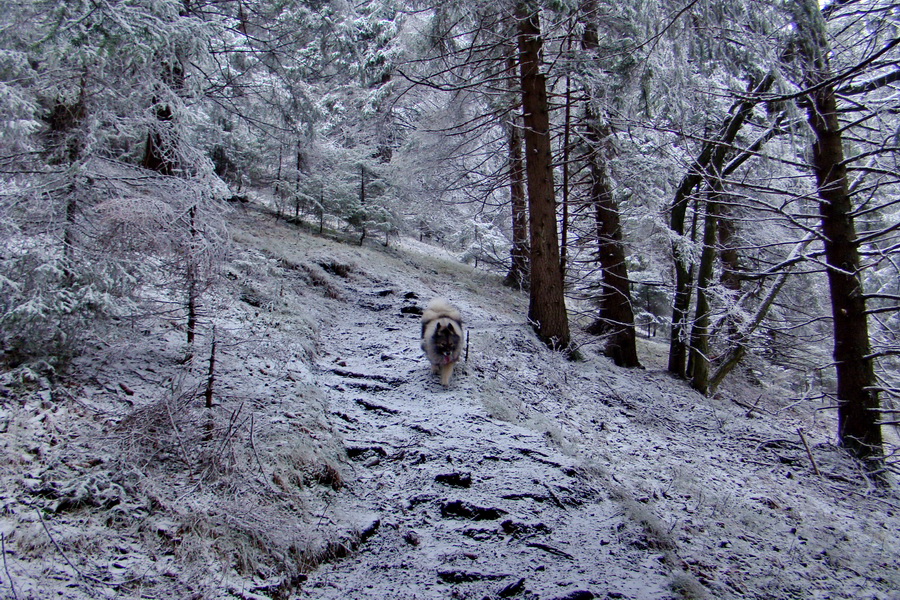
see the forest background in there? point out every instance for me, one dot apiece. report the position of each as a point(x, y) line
point(724, 174)
point(719, 175)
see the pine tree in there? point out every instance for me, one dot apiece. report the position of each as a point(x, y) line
point(616, 312)
point(518, 274)
point(546, 307)
point(858, 401)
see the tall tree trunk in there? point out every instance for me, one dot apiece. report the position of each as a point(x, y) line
point(567, 130)
point(66, 147)
point(301, 163)
point(729, 258)
point(680, 304)
point(362, 202)
point(616, 316)
point(321, 209)
point(546, 307)
point(858, 402)
point(519, 253)
point(699, 359)
point(160, 152)
point(728, 254)
point(191, 276)
point(738, 346)
point(707, 165)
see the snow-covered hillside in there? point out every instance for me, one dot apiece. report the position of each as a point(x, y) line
point(334, 465)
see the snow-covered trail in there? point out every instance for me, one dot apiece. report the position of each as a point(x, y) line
point(577, 479)
point(462, 504)
point(529, 477)
point(534, 477)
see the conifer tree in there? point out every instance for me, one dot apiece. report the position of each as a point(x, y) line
point(546, 307)
point(858, 400)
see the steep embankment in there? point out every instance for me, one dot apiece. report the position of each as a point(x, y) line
point(334, 465)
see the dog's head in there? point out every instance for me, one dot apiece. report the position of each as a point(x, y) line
point(446, 337)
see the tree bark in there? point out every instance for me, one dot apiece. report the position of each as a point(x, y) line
point(518, 276)
point(728, 254)
point(362, 202)
point(707, 165)
point(616, 313)
point(566, 147)
point(211, 372)
point(858, 402)
point(66, 147)
point(546, 307)
point(191, 277)
point(698, 364)
point(159, 152)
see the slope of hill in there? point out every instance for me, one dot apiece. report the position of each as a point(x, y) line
point(332, 464)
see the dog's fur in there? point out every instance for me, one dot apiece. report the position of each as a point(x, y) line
point(442, 337)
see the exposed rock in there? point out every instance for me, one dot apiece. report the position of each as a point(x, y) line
point(411, 537)
point(512, 589)
point(515, 529)
point(469, 576)
point(462, 480)
point(550, 550)
point(463, 510)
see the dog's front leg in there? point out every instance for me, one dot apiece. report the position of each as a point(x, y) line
point(446, 372)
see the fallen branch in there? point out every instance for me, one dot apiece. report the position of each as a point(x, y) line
point(6, 567)
point(809, 453)
point(750, 409)
point(555, 498)
point(253, 446)
point(550, 550)
point(376, 407)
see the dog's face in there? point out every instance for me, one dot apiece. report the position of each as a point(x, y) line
point(446, 339)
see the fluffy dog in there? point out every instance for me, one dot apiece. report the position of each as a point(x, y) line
point(442, 337)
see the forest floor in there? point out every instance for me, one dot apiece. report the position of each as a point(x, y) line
point(333, 464)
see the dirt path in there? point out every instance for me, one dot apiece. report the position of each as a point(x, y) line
point(461, 504)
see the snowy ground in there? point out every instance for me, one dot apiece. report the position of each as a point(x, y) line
point(334, 465)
